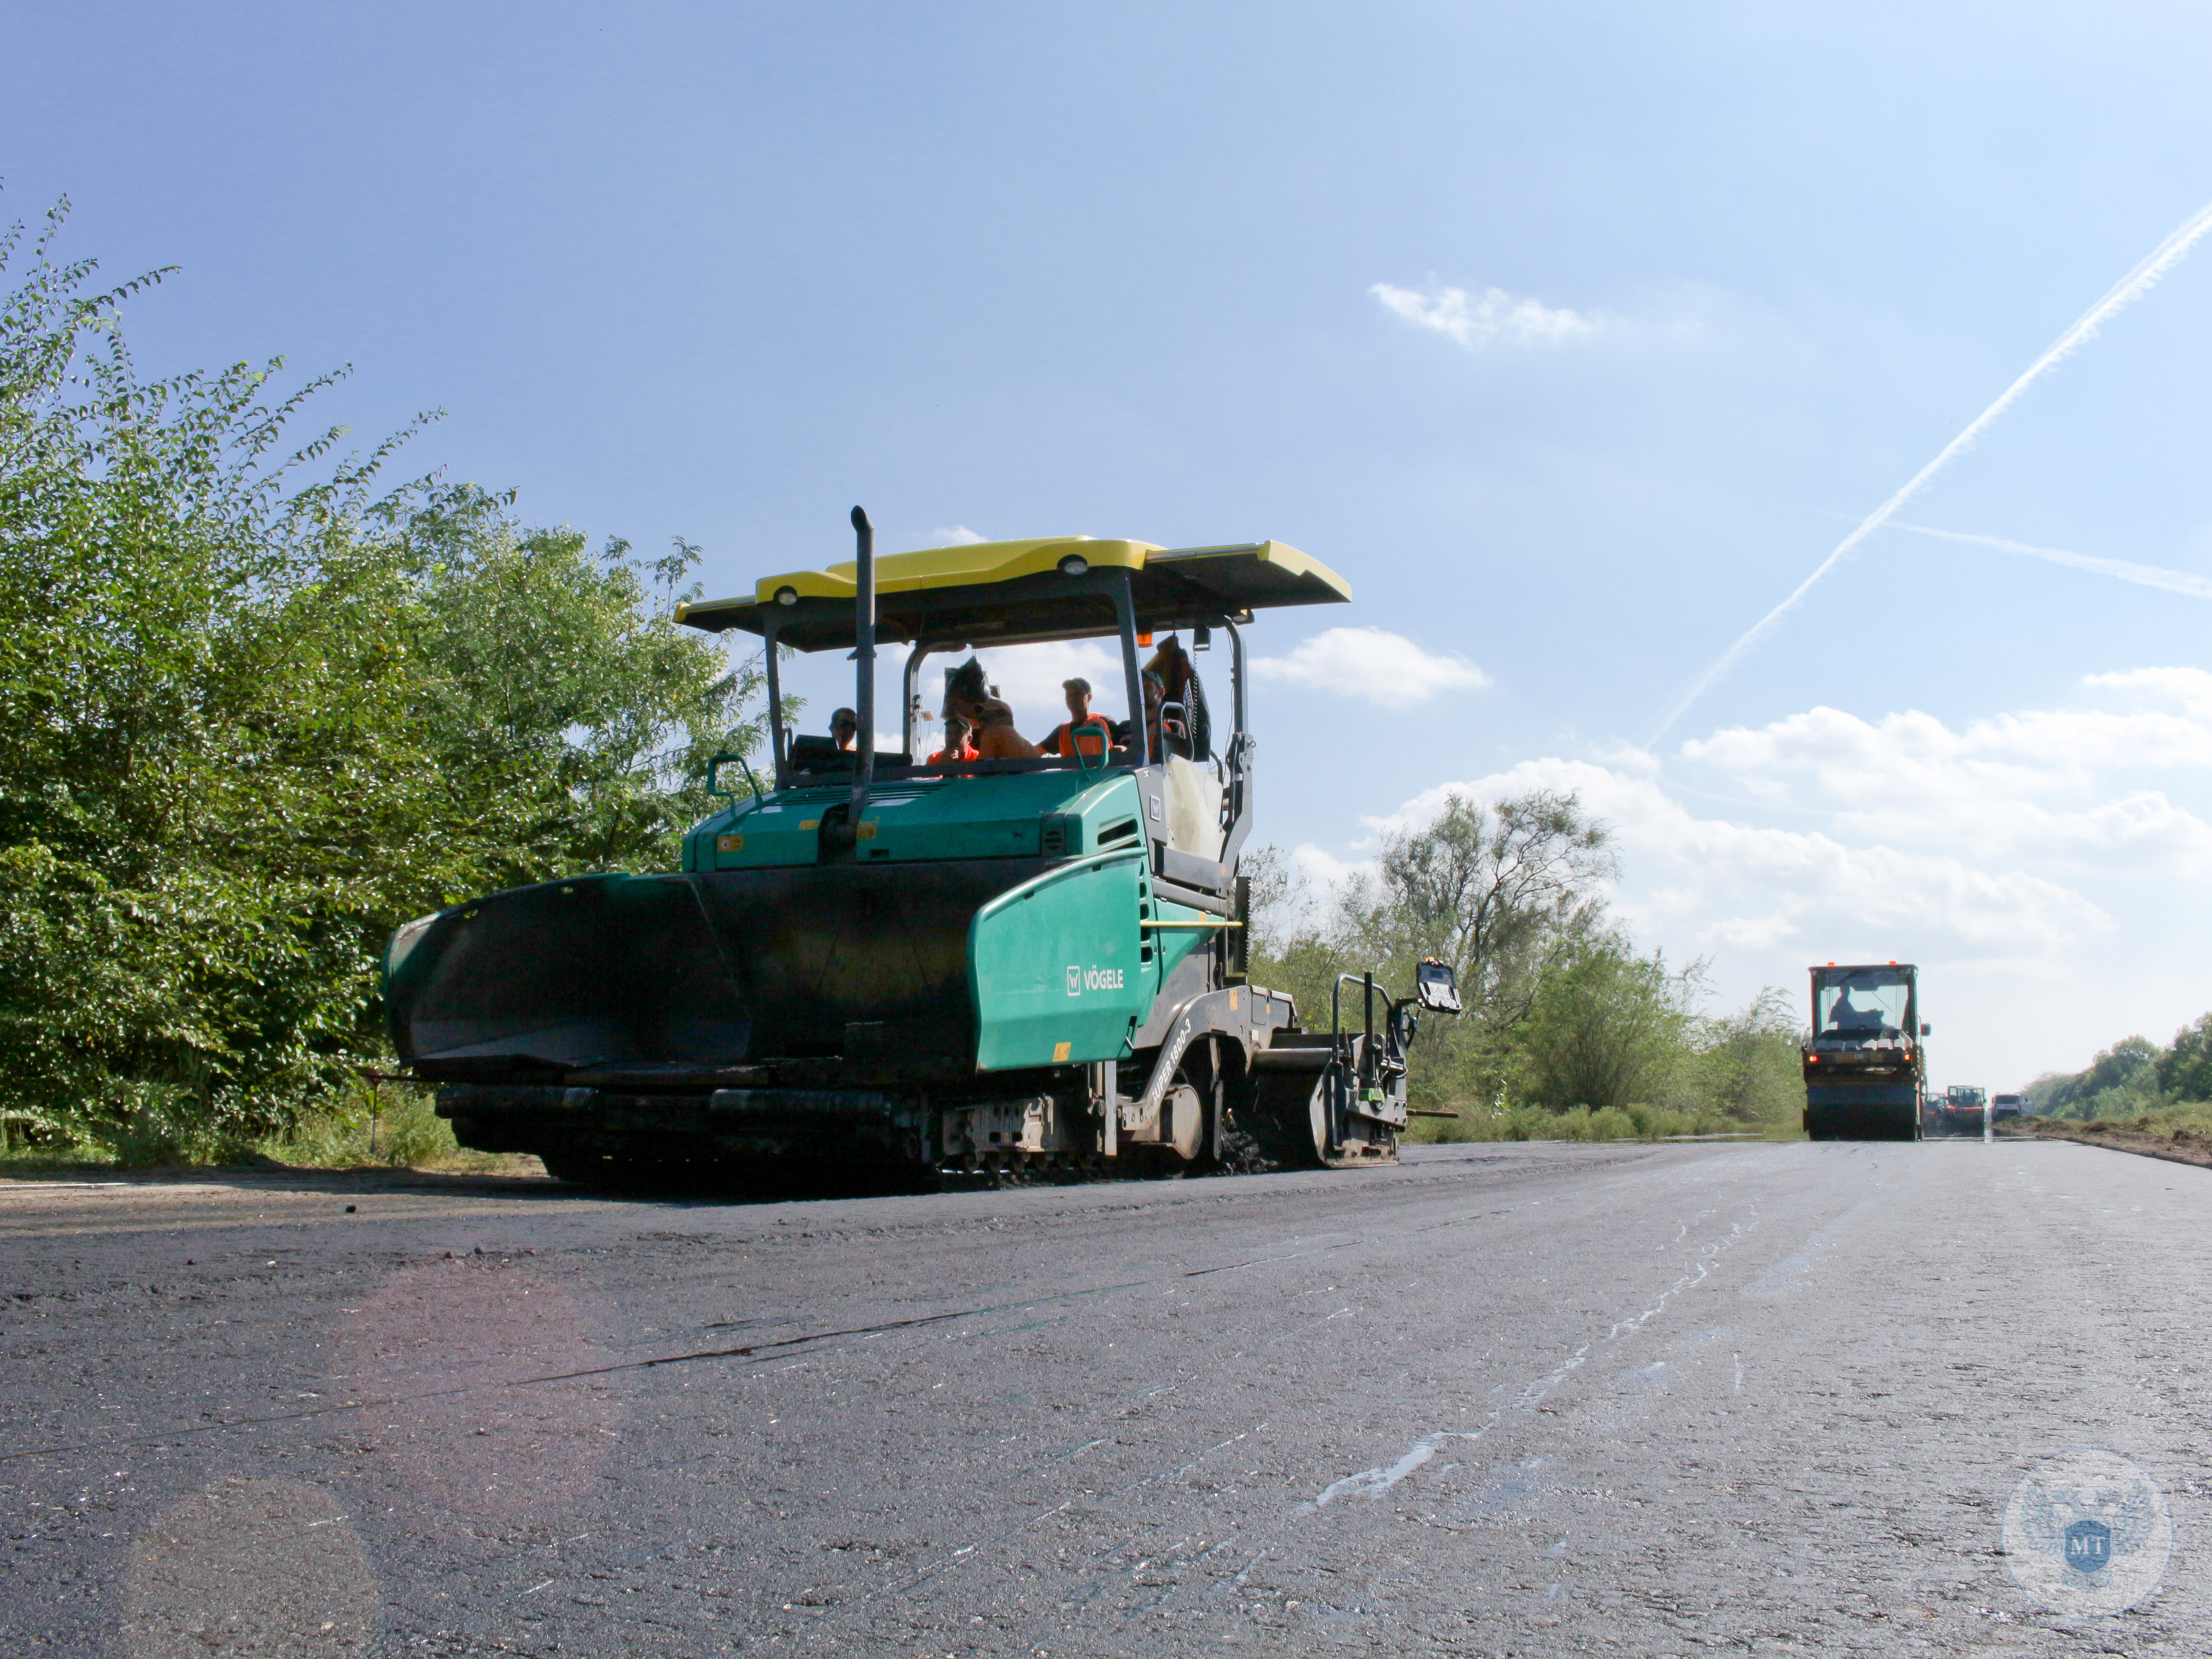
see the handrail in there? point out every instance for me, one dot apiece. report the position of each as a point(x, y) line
point(1021, 890)
point(1105, 747)
point(714, 766)
point(1366, 980)
point(1370, 1062)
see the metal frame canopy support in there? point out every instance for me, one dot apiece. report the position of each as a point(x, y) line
point(1133, 674)
point(1020, 592)
point(777, 747)
point(864, 652)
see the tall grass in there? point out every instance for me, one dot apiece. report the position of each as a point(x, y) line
point(388, 1125)
point(1510, 1122)
point(369, 1126)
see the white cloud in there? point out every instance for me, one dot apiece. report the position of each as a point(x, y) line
point(1700, 882)
point(1319, 876)
point(1383, 667)
point(1325, 869)
point(2189, 687)
point(2052, 781)
point(957, 535)
point(1492, 317)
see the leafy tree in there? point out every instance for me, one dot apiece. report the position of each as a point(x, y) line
point(1610, 1029)
point(1750, 1065)
point(1502, 892)
point(2121, 1080)
point(2131, 1076)
point(251, 718)
point(2185, 1070)
point(568, 716)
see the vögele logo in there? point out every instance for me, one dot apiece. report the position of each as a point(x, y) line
point(2087, 1533)
point(1080, 980)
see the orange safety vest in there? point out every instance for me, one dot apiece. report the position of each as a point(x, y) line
point(1063, 741)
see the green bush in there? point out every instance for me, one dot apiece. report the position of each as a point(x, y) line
point(1613, 1124)
point(1501, 1121)
point(252, 719)
point(392, 1124)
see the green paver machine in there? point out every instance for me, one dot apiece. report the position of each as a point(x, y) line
point(1865, 1071)
point(877, 965)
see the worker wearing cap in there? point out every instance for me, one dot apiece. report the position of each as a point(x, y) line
point(956, 746)
point(1082, 730)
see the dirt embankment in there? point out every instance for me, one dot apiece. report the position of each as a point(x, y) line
point(2179, 1145)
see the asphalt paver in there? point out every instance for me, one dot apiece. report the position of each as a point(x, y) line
point(1500, 1399)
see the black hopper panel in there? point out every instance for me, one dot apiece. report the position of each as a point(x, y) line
point(850, 959)
point(601, 970)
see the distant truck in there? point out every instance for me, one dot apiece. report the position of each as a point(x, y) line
point(1865, 1071)
point(2005, 1106)
point(1959, 1112)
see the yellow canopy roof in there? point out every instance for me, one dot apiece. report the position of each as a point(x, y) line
point(1002, 593)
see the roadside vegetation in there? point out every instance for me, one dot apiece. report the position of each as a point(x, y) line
point(2133, 1093)
point(2132, 1078)
point(258, 705)
point(1571, 1032)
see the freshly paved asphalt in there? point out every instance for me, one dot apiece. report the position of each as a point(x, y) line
point(1519, 1399)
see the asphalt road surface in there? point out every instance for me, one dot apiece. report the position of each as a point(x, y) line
point(1518, 1399)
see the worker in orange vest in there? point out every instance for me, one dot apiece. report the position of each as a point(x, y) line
point(1082, 730)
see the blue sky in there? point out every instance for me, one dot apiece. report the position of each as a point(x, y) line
point(1163, 271)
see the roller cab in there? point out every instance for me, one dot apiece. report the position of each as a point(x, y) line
point(1865, 1070)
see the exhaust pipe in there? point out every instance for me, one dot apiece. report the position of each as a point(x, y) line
point(864, 654)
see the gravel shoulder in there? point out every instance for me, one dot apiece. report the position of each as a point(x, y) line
point(2180, 1146)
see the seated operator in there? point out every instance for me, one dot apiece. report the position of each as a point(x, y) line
point(1125, 734)
point(1179, 676)
point(956, 746)
point(1851, 1020)
point(844, 726)
point(969, 695)
point(1082, 730)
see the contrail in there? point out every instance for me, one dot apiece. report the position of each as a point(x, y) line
point(2137, 282)
point(2150, 575)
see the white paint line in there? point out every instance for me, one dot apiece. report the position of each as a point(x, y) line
point(1373, 1483)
